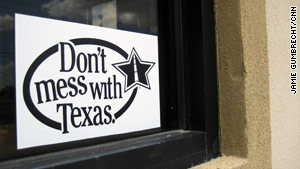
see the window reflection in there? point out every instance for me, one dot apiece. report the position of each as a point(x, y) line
point(138, 16)
point(6, 22)
point(131, 15)
point(7, 71)
point(71, 10)
point(105, 14)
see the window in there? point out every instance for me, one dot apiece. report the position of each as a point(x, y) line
point(187, 75)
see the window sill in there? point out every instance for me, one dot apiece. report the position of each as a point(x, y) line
point(173, 149)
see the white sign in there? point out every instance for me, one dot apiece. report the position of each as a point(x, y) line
point(76, 81)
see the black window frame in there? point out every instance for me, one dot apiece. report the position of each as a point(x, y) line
point(189, 45)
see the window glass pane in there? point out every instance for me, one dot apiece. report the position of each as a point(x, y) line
point(131, 15)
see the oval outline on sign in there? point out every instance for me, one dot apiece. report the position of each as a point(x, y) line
point(50, 51)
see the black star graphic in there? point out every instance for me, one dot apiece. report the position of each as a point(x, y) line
point(135, 71)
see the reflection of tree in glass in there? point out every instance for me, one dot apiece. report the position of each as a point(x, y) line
point(7, 106)
point(7, 70)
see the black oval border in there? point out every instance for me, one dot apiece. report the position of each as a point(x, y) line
point(42, 57)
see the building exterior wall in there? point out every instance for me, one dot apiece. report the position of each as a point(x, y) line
point(243, 81)
point(284, 105)
point(259, 115)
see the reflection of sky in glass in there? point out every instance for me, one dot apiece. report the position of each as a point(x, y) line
point(138, 16)
point(105, 14)
point(71, 10)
